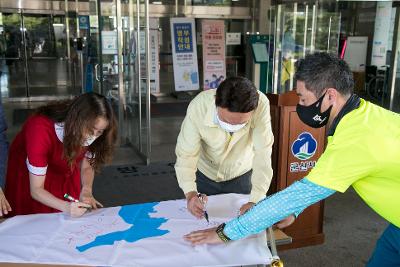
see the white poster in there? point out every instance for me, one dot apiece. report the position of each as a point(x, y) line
point(233, 38)
point(356, 52)
point(94, 21)
point(184, 54)
point(383, 33)
point(109, 42)
point(149, 234)
point(154, 59)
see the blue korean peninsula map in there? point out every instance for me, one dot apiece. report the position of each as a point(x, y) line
point(143, 226)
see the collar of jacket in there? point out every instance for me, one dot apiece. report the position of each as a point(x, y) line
point(351, 104)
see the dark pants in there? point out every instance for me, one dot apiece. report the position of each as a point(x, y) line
point(240, 185)
point(387, 250)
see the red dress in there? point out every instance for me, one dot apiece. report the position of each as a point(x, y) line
point(38, 148)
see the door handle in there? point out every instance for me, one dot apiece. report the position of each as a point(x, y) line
point(96, 72)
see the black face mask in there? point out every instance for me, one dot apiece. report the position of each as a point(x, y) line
point(312, 115)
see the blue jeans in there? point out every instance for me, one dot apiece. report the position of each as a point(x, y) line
point(387, 250)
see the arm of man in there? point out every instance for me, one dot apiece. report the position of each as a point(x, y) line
point(87, 177)
point(267, 212)
point(187, 155)
point(291, 200)
point(263, 140)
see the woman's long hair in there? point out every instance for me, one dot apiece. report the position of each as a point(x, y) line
point(79, 117)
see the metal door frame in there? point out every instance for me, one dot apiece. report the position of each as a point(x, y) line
point(394, 59)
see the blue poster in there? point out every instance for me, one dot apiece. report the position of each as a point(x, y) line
point(83, 22)
point(184, 54)
point(183, 37)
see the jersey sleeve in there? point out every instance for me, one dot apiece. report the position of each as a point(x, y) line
point(291, 200)
point(344, 162)
point(38, 135)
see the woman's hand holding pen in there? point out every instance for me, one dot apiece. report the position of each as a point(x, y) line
point(87, 197)
point(76, 209)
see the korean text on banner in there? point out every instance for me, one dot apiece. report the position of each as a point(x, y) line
point(184, 54)
point(213, 32)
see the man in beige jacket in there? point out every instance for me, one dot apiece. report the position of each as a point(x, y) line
point(225, 145)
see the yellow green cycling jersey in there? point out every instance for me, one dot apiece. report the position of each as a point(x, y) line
point(364, 152)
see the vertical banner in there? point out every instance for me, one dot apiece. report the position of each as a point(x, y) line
point(154, 70)
point(184, 54)
point(384, 24)
point(213, 33)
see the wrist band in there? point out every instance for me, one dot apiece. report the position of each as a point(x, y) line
point(221, 234)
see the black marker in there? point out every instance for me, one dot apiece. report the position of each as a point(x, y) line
point(200, 196)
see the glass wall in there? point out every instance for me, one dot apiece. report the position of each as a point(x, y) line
point(299, 29)
point(307, 27)
point(235, 54)
point(34, 57)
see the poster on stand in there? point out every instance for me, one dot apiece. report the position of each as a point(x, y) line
point(214, 69)
point(184, 54)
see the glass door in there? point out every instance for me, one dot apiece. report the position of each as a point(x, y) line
point(12, 61)
point(300, 28)
point(294, 37)
point(122, 69)
point(35, 56)
point(93, 57)
point(46, 53)
point(130, 19)
point(136, 62)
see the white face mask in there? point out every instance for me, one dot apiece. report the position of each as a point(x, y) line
point(89, 140)
point(229, 127)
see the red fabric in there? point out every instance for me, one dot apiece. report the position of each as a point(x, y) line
point(38, 142)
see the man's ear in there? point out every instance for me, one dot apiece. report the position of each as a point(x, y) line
point(332, 95)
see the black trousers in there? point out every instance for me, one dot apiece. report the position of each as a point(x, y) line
point(240, 184)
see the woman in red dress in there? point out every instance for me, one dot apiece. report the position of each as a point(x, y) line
point(58, 151)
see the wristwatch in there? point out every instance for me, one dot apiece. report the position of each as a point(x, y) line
point(221, 234)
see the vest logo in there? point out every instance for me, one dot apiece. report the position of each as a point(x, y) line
point(304, 146)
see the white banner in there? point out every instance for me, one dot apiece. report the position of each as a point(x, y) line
point(356, 52)
point(184, 54)
point(154, 70)
point(149, 234)
point(383, 33)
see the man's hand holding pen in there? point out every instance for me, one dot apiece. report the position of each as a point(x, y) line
point(196, 204)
